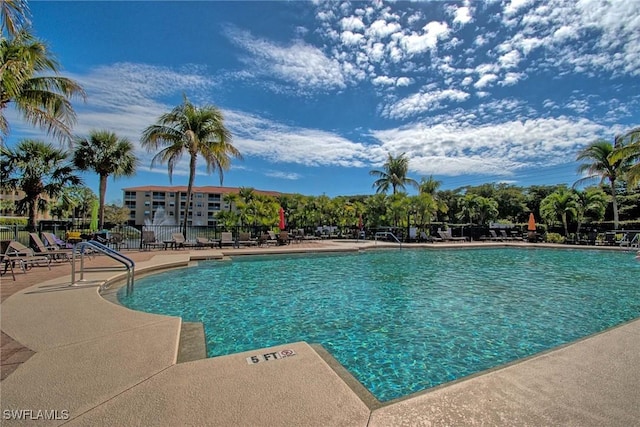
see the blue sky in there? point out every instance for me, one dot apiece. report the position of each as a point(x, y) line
point(317, 93)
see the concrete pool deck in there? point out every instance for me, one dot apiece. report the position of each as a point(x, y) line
point(97, 363)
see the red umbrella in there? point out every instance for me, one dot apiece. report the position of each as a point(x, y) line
point(531, 227)
point(282, 225)
point(532, 223)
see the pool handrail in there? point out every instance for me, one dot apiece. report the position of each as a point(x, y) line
point(385, 234)
point(128, 263)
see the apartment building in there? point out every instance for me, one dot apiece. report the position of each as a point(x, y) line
point(144, 202)
point(8, 200)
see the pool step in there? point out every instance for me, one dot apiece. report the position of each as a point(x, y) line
point(192, 342)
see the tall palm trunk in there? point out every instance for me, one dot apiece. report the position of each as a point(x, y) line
point(187, 207)
point(31, 212)
point(103, 192)
point(614, 201)
point(565, 224)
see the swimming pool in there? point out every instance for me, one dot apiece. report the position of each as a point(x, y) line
point(403, 321)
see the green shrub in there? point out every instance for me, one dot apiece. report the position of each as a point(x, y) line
point(554, 238)
point(13, 221)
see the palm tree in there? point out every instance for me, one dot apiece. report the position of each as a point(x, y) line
point(591, 203)
point(14, 15)
point(629, 152)
point(394, 174)
point(559, 204)
point(430, 186)
point(107, 155)
point(42, 100)
point(38, 169)
point(598, 164)
point(197, 132)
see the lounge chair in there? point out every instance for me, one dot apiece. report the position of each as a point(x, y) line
point(116, 240)
point(493, 236)
point(446, 236)
point(424, 237)
point(283, 238)
point(53, 240)
point(268, 238)
point(246, 240)
point(54, 252)
point(149, 240)
point(203, 242)
point(180, 242)
point(6, 262)
point(226, 239)
point(17, 252)
point(505, 236)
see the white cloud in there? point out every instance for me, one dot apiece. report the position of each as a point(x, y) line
point(352, 23)
point(495, 149)
point(510, 59)
point(462, 15)
point(278, 143)
point(381, 29)
point(404, 81)
point(300, 64)
point(515, 6)
point(485, 81)
point(383, 81)
point(511, 79)
point(350, 38)
point(284, 175)
point(428, 40)
point(421, 102)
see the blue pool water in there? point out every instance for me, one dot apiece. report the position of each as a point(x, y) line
point(403, 321)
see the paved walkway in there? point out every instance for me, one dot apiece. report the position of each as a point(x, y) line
point(94, 363)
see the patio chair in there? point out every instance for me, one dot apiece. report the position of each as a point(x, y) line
point(149, 240)
point(203, 242)
point(5, 260)
point(283, 238)
point(180, 242)
point(245, 239)
point(17, 252)
point(116, 240)
point(52, 240)
point(268, 238)
point(446, 236)
point(54, 252)
point(424, 237)
point(504, 235)
point(226, 239)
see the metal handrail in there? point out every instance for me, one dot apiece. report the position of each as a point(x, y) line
point(128, 263)
point(385, 234)
point(633, 243)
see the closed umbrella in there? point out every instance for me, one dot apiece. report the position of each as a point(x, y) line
point(531, 227)
point(282, 224)
point(93, 226)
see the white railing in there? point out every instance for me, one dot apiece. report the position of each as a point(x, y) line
point(386, 234)
point(82, 248)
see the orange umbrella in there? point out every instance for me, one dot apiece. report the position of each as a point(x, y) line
point(532, 223)
point(282, 224)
